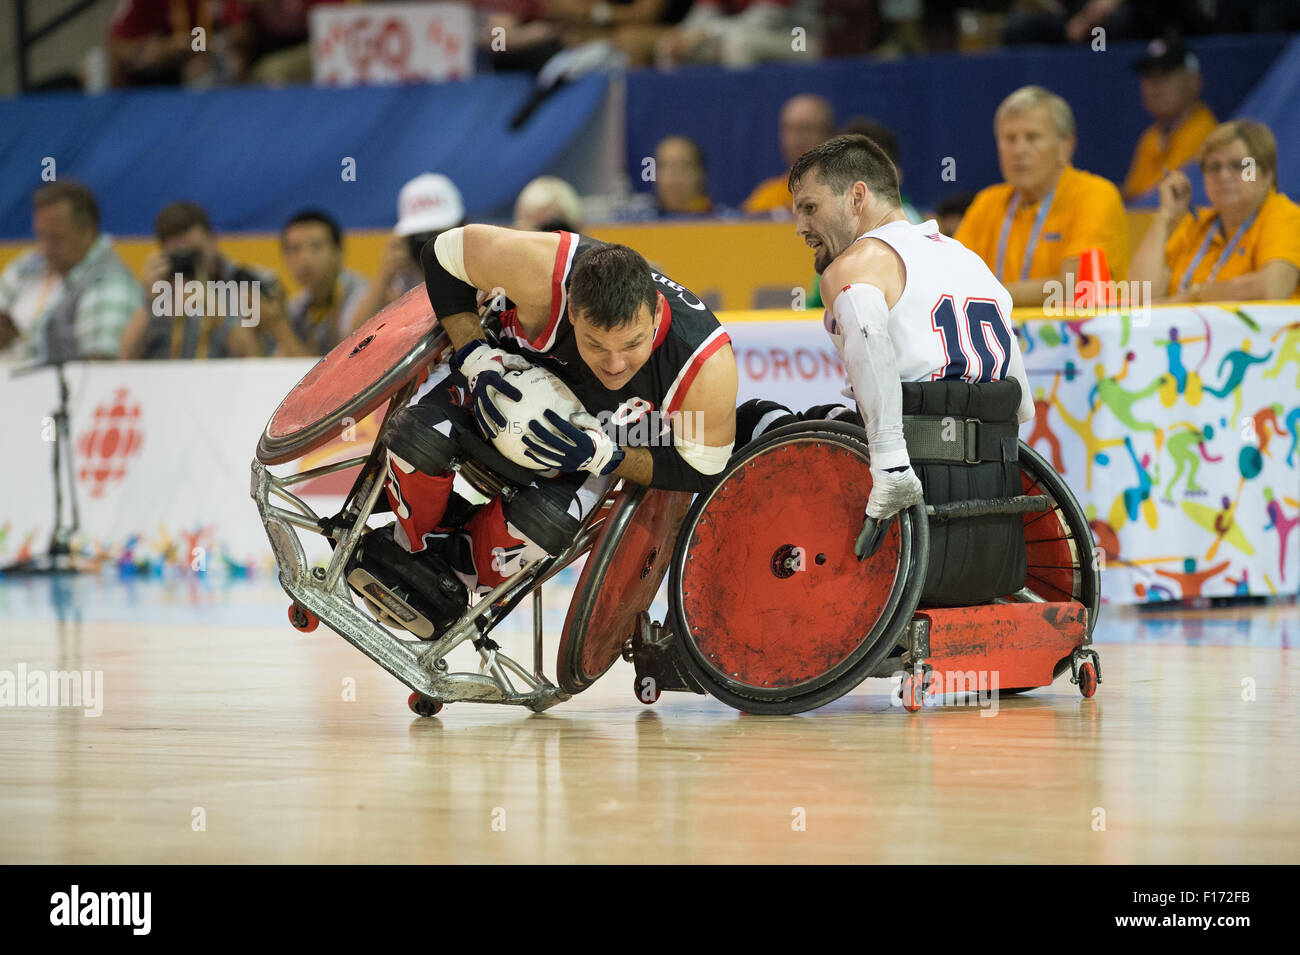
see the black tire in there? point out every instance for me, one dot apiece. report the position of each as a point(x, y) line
point(876, 644)
point(1087, 586)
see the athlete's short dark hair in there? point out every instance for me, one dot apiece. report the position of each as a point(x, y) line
point(844, 160)
point(609, 284)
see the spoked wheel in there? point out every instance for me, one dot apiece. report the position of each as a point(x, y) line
point(773, 612)
point(1060, 555)
point(1060, 552)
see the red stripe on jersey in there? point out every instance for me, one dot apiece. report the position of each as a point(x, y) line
point(662, 331)
point(687, 377)
point(557, 281)
point(559, 272)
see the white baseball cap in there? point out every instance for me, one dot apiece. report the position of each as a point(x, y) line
point(428, 203)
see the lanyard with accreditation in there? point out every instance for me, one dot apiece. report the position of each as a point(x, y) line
point(1044, 206)
point(1228, 249)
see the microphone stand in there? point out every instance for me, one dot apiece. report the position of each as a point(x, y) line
point(58, 557)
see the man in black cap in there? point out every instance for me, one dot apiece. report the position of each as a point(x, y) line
point(1171, 92)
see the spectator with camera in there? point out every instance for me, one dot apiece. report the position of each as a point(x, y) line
point(71, 296)
point(236, 300)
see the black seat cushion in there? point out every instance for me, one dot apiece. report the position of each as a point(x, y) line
point(974, 560)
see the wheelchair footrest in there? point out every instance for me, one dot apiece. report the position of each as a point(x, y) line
point(1023, 643)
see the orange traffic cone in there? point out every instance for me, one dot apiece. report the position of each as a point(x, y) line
point(1092, 285)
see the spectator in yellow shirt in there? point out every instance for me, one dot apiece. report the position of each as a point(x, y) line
point(1245, 246)
point(806, 121)
point(1171, 93)
point(1030, 229)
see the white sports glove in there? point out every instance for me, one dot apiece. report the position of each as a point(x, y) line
point(891, 492)
point(478, 356)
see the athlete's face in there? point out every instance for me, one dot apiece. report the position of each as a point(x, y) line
point(614, 355)
point(824, 220)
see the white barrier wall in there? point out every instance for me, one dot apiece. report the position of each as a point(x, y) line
point(162, 450)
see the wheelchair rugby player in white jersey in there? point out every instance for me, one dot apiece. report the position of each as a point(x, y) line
point(903, 304)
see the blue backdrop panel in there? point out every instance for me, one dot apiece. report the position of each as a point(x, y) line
point(1276, 101)
point(253, 157)
point(939, 106)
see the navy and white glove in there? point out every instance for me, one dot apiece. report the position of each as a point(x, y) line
point(483, 367)
point(578, 444)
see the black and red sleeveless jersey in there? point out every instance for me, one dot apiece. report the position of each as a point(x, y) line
point(687, 335)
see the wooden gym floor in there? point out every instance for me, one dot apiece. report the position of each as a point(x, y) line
point(226, 737)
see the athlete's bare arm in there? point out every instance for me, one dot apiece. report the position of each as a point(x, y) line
point(521, 264)
point(708, 411)
point(867, 261)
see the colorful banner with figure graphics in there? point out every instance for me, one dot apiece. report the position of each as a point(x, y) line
point(1178, 432)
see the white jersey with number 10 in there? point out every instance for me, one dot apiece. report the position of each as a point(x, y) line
point(953, 319)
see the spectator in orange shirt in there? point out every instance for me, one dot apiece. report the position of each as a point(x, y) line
point(1171, 93)
point(1031, 228)
point(1246, 246)
point(806, 121)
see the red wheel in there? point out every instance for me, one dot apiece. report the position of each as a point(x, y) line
point(913, 693)
point(621, 577)
point(772, 610)
point(360, 374)
point(302, 618)
point(1087, 679)
point(421, 705)
point(646, 690)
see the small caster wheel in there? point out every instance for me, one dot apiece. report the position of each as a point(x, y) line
point(1087, 679)
point(421, 705)
point(913, 693)
point(302, 618)
point(646, 690)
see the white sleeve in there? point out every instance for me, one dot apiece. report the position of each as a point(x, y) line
point(872, 368)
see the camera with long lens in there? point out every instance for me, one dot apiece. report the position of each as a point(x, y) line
point(184, 262)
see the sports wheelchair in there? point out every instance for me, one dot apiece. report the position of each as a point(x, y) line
point(770, 611)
